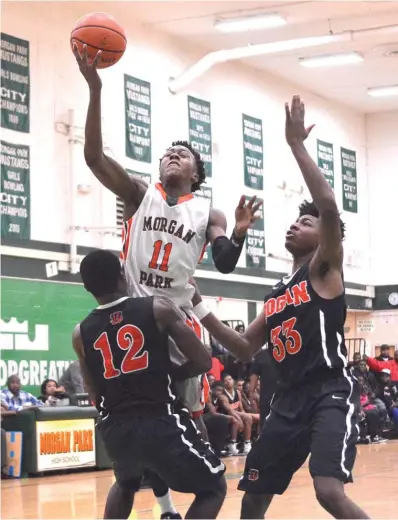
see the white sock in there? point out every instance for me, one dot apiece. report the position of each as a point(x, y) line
point(166, 504)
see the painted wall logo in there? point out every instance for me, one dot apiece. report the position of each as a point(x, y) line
point(22, 348)
point(14, 336)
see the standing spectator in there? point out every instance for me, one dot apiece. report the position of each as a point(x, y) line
point(216, 368)
point(263, 371)
point(51, 392)
point(15, 398)
point(391, 364)
point(384, 353)
point(388, 393)
point(72, 379)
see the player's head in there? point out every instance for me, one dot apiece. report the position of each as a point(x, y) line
point(228, 381)
point(239, 385)
point(182, 165)
point(217, 388)
point(303, 235)
point(102, 274)
point(14, 384)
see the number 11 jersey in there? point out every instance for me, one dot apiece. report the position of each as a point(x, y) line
point(162, 245)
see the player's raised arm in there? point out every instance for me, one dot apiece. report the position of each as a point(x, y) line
point(330, 236)
point(171, 321)
point(77, 344)
point(242, 346)
point(226, 251)
point(107, 171)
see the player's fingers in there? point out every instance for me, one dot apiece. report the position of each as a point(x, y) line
point(257, 206)
point(308, 130)
point(287, 111)
point(84, 54)
point(241, 204)
point(255, 217)
point(251, 202)
point(295, 103)
point(97, 59)
point(302, 109)
point(75, 50)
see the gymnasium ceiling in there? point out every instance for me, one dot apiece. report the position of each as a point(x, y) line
point(193, 21)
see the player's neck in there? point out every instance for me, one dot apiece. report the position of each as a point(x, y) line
point(299, 261)
point(110, 298)
point(175, 192)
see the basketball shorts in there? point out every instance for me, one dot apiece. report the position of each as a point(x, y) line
point(317, 419)
point(167, 444)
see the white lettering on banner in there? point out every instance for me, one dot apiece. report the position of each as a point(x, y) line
point(32, 373)
point(65, 444)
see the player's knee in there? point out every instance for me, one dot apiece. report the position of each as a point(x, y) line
point(218, 492)
point(248, 419)
point(328, 491)
point(129, 485)
point(221, 487)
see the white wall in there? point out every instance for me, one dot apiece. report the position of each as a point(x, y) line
point(382, 138)
point(57, 86)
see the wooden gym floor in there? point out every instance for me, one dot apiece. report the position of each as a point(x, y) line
point(83, 495)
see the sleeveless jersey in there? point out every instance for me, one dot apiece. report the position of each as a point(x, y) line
point(233, 399)
point(163, 244)
point(305, 331)
point(126, 355)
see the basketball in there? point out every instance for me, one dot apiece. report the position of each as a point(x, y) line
point(100, 32)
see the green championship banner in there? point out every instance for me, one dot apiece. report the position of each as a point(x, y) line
point(255, 241)
point(349, 177)
point(15, 83)
point(205, 192)
point(253, 153)
point(137, 103)
point(15, 190)
point(324, 152)
point(36, 329)
point(199, 122)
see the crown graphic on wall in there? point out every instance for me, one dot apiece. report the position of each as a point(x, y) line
point(14, 336)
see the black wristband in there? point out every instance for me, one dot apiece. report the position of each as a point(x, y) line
point(237, 241)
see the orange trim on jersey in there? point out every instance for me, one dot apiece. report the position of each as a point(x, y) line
point(184, 198)
point(192, 323)
point(126, 236)
point(202, 254)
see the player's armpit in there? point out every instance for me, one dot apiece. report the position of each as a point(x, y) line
point(79, 349)
point(171, 321)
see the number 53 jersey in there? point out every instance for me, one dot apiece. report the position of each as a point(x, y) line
point(163, 244)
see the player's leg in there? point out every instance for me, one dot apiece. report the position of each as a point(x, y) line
point(333, 450)
point(119, 502)
point(188, 465)
point(278, 453)
point(162, 493)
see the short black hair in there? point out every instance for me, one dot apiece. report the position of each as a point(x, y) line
point(200, 165)
point(100, 271)
point(217, 384)
point(309, 208)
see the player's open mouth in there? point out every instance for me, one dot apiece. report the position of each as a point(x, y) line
point(173, 162)
point(290, 234)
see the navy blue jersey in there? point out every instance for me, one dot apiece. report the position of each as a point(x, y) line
point(305, 331)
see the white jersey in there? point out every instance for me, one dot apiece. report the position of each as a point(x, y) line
point(163, 244)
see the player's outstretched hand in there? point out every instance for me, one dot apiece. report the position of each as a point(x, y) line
point(88, 70)
point(245, 215)
point(295, 129)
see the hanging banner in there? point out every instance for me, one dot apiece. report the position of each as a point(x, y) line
point(137, 103)
point(144, 176)
point(255, 241)
point(15, 190)
point(349, 177)
point(199, 122)
point(253, 154)
point(324, 152)
point(15, 84)
point(205, 192)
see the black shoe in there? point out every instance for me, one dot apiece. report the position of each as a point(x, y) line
point(170, 515)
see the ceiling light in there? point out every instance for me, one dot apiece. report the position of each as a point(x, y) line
point(331, 60)
point(250, 23)
point(391, 90)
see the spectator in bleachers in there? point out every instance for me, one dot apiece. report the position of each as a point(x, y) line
point(211, 379)
point(51, 392)
point(355, 360)
point(388, 393)
point(391, 364)
point(15, 398)
point(216, 368)
point(361, 371)
point(384, 354)
point(373, 423)
point(263, 373)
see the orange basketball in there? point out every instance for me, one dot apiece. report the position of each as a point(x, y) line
point(100, 31)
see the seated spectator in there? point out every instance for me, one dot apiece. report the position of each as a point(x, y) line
point(15, 398)
point(391, 364)
point(355, 360)
point(374, 421)
point(384, 353)
point(72, 379)
point(231, 404)
point(361, 371)
point(388, 393)
point(51, 392)
point(219, 426)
